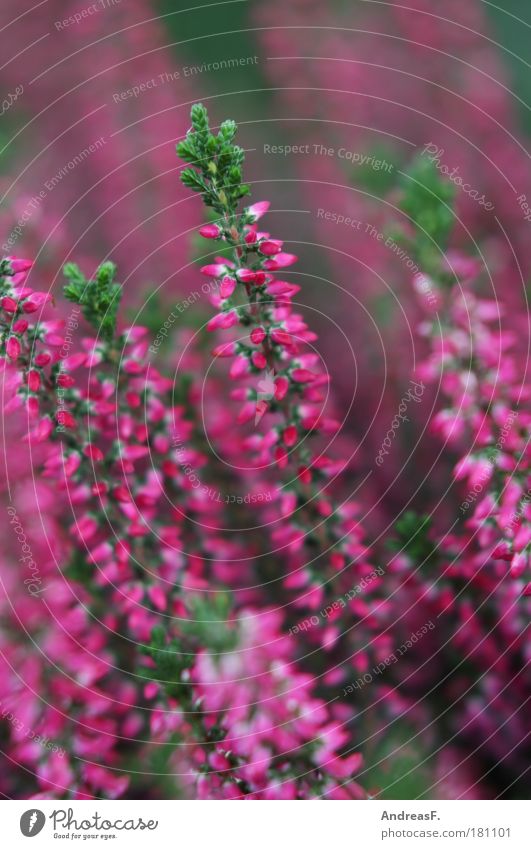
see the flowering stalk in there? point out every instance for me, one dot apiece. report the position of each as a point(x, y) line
point(482, 380)
point(281, 380)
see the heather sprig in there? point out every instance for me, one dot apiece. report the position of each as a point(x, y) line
point(282, 389)
point(483, 419)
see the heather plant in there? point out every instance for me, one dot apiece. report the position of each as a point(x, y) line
point(473, 573)
point(252, 645)
point(98, 450)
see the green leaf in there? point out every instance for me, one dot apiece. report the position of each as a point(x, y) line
point(227, 130)
point(193, 180)
point(186, 150)
point(200, 125)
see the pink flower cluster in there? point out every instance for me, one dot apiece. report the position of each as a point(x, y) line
point(124, 485)
point(284, 390)
point(476, 357)
point(276, 739)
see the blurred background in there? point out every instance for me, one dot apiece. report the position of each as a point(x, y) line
point(334, 100)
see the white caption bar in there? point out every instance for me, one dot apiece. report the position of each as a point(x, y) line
point(262, 825)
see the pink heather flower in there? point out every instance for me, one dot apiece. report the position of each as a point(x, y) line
point(239, 367)
point(257, 210)
point(138, 192)
point(246, 275)
point(281, 387)
point(13, 348)
point(258, 359)
point(282, 287)
point(223, 320)
point(227, 287)
point(303, 375)
point(226, 349)
point(519, 564)
point(34, 380)
point(257, 335)
point(66, 419)
point(94, 453)
point(19, 265)
point(9, 305)
point(252, 718)
point(214, 270)
point(502, 552)
point(270, 247)
point(281, 260)
point(210, 231)
point(20, 326)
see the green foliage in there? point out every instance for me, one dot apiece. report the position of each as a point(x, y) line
point(171, 665)
point(208, 628)
point(79, 569)
point(427, 200)
point(99, 298)
point(413, 538)
point(208, 625)
point(375, 176)
point(217, 162)
point(403, 766)
point(154, 314)
point(5, 268)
